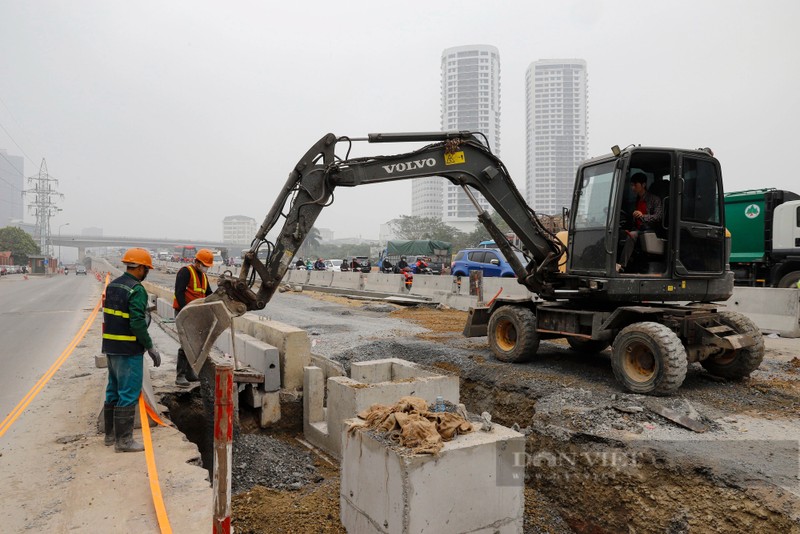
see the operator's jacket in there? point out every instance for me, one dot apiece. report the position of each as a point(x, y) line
point(124, 321)
point(190, 284)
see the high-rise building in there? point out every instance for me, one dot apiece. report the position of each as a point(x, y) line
point(11, 187)
point(238, 229)
point(470, 101)
point(556, 92)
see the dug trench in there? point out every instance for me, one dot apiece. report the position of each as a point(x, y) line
point(599, 460)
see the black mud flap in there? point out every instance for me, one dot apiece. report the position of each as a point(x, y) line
point(477, 322)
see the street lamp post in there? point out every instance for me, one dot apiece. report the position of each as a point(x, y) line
point(59, 239)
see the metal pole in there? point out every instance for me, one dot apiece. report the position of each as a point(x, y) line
point(60, 226)
point(223, 446)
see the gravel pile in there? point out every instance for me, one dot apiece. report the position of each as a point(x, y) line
point(270, 462)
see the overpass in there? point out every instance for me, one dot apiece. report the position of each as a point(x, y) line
point(82, 242)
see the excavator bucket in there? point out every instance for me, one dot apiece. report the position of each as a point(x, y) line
point(199, 324)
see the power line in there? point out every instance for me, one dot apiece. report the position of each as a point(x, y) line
point(15, 168)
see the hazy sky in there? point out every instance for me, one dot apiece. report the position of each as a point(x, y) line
point(161, 118)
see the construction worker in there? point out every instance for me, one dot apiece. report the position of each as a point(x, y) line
point(125, 339)
point(191, 283)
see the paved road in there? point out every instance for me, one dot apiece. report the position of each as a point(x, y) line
point(38, 319)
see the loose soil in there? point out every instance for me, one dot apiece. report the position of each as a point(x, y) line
point(738, 475)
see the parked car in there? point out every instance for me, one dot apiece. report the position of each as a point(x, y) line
point(488, 260)
point(80, 269)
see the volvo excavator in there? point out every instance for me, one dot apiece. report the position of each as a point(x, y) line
point(658, 314)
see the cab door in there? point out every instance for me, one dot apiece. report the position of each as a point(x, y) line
point(593, 221)
point(701, 231)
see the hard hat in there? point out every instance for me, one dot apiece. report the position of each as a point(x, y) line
point(205, 256)
point(137, 256)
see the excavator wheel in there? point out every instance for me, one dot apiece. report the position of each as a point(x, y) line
point(737, 363)
point(588, 346)
point(649, 358)
point(512, 334)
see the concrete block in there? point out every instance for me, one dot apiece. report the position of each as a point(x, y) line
point(164, 308)
point(772, 309)
point(252, 395)
point(385, 283)
point(346, 397)
point(320, 278)
point(292, 343)
point(328, 366)
point(265, 358)
point(466, 488)
point(100, 361)
point(348, 280)
point(270, 409)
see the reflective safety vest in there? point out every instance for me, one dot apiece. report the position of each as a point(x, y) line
point(118, 338)
point(195, 289)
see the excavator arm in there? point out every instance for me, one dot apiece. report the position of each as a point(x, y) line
point(456, 156)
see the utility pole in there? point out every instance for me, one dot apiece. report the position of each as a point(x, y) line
point(43, 206)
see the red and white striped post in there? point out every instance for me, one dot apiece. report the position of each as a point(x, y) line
point(223, 446)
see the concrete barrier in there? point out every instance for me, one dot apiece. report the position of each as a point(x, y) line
point(320, 278)
point(348, 280)
point(773, 310)
point(510, 286)
point(385, 283)
point(298, 276)
point(431, 285)
point(164, 308)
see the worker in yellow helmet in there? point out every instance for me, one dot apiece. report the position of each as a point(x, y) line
point(125, 339)
point(191, 283)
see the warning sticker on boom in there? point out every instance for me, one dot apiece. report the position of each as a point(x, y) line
point(454, 158)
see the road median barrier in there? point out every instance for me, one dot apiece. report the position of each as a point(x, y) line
point(349, 280)
point(773, 310)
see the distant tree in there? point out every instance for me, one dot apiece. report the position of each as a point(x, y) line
point(19, 243)
point(480, 233)
point(412, 227)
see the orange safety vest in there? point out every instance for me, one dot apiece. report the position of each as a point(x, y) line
point(195, 289)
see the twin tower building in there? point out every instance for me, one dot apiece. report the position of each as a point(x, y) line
point(555, 127)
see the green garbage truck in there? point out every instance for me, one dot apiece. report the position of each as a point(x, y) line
point(765, 237)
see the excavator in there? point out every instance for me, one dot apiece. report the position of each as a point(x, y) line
point(657, 314)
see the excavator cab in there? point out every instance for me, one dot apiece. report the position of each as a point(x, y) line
point(650, 221)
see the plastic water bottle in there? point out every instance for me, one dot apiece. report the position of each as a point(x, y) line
point(439, 406)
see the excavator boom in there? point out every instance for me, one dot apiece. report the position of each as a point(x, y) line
point(459, 157)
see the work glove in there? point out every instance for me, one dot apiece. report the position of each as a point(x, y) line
point(155, 355)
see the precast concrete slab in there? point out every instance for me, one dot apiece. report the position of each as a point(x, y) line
point(375, 382)
point(470, 486)
point(772, 309)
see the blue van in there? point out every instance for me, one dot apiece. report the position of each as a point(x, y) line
point(488, 260)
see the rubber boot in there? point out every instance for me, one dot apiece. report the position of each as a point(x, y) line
point(183, 363)
point(108, 420)
point(188, 372)
point(123, 430)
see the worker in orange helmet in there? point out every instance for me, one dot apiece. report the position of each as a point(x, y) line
point(191, 283)
point(125, 339)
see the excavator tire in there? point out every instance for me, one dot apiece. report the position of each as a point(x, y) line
point(738, 363)
point(512, 334)
point(790, 280)
point(588, 346)
point(649, 358)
